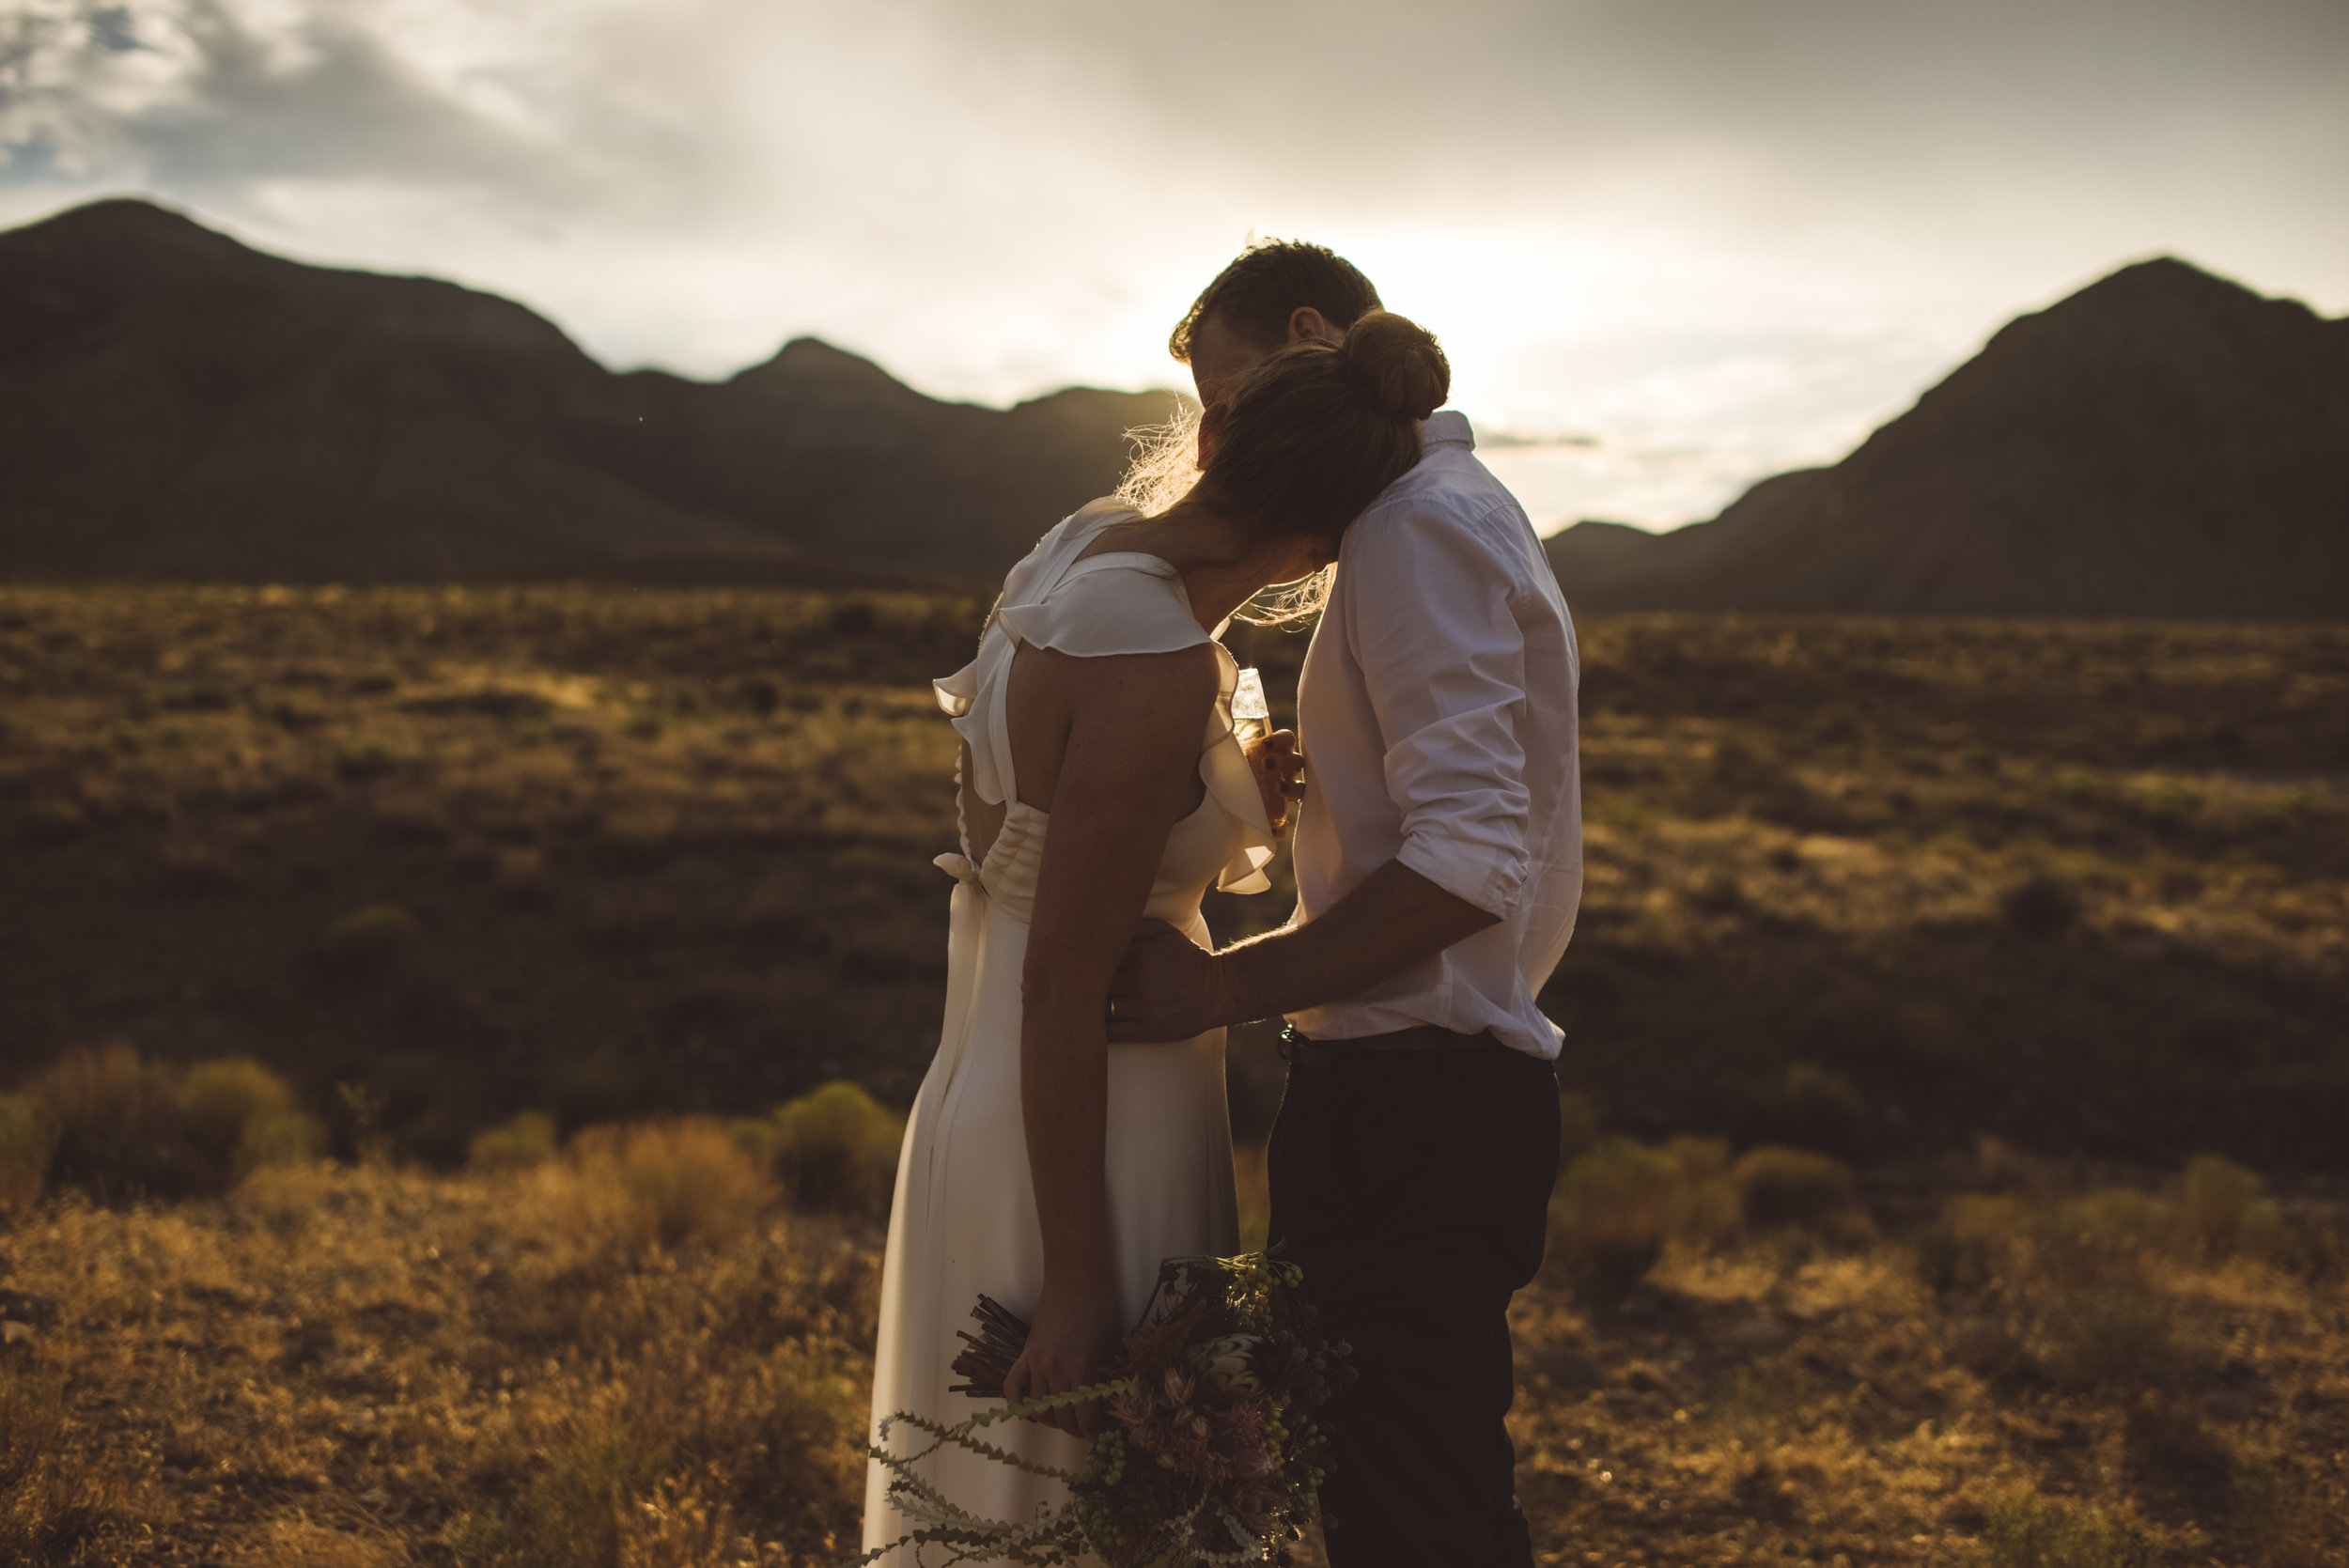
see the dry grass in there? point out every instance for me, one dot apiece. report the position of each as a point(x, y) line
point(2097, 1389)
point(478, 873)
point(376, 1366)
point(1855, 886)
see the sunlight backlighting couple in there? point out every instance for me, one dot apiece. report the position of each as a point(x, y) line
point(1071, 1134)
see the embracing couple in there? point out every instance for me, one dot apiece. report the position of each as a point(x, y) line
point(1072, 1131)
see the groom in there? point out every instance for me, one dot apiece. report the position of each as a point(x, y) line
point(1438, 860)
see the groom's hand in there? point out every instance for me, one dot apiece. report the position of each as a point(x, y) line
point(1167, 988)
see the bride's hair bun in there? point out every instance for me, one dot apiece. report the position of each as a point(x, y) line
point(1400, 362)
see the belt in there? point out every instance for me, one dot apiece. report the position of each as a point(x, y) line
point(1298, 1050)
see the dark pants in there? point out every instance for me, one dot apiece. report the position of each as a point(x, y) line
point(1414, 1189)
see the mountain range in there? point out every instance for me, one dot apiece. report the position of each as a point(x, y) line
point(175, 404)
point(2162, 443)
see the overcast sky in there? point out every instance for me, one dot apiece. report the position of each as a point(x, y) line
point(1705, 240)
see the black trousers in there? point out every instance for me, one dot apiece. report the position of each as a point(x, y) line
point(1414, 1189)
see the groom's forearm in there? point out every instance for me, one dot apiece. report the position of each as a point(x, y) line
point(1395, 919)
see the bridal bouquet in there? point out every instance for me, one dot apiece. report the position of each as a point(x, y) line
point(1211, 1454)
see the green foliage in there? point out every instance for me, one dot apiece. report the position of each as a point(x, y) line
point(2116, 1335)
point(835, 1148)
point(1809, 1107)
point(222, 1100)
point(28, 1141)
point(369, 939)
point(2028, 1531)
point(2219, 1208)
point(1618, 1204)
point(124, 1126)
point(1981, 1238)
point(120, 1125)
point(286, 1137)
point(1780, 1186)
point(520, 1143)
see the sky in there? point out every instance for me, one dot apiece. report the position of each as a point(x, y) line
point(1671, 245)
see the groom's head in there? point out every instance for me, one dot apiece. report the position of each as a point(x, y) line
point(1276, 293)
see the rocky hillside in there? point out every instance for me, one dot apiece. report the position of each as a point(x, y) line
point(2162, 442)
point(175, 404)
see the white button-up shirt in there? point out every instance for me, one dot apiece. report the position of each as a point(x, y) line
point(1436, 717)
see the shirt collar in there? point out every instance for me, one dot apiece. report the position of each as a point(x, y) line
point(1447, 428)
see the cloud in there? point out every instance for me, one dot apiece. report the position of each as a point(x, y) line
point(1735, 230)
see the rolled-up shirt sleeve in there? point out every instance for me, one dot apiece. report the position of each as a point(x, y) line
point(1433, 625)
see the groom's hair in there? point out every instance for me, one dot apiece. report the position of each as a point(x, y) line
point(1266, 282)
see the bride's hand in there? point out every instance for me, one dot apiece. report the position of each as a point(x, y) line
point(1279, 775)
point(1075, 1330)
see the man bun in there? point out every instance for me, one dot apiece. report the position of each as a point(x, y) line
point(1400, 362)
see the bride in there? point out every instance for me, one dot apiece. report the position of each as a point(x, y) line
point(1042, 1165)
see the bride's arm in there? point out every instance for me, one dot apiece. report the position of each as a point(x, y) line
point(1127, 772)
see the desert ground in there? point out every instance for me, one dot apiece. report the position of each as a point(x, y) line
point(452, 1038)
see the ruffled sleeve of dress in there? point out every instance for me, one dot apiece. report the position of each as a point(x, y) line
point(1114, 603)
point(1117, 603)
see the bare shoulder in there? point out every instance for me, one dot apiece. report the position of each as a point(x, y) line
point(1137, 687)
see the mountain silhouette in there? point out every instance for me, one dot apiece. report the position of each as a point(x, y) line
point(173, 403)
point(2162, 443)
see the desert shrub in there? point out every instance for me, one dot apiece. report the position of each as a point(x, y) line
point(2041, 906)
point(28, 1141)
point(1712, 1198)
point(1979, 1237)
point(127, 1127)
point(835, 1148)
point(1781, 1186)
point(2102, 1238)
point(520, 1143)
point(55, 822)
point(685, 1180)
point(241, 1116)
point(121, 1126)
point(367, 940)
point(1618, 1204)
point(2219, 1208)
point(2028, 1531)
point(50, 1505)
point(1808, 1108)
point(2111, 1335)
point(364, 759)
point(601, 1085)
point(2125, 1216)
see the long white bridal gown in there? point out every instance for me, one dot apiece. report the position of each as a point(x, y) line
point(964, 1220)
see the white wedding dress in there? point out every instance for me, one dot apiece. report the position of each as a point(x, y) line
point(964, 1218)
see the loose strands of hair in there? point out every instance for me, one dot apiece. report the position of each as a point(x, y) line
point(1165, 465)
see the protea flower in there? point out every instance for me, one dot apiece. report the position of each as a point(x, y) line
point(1231, 1363)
